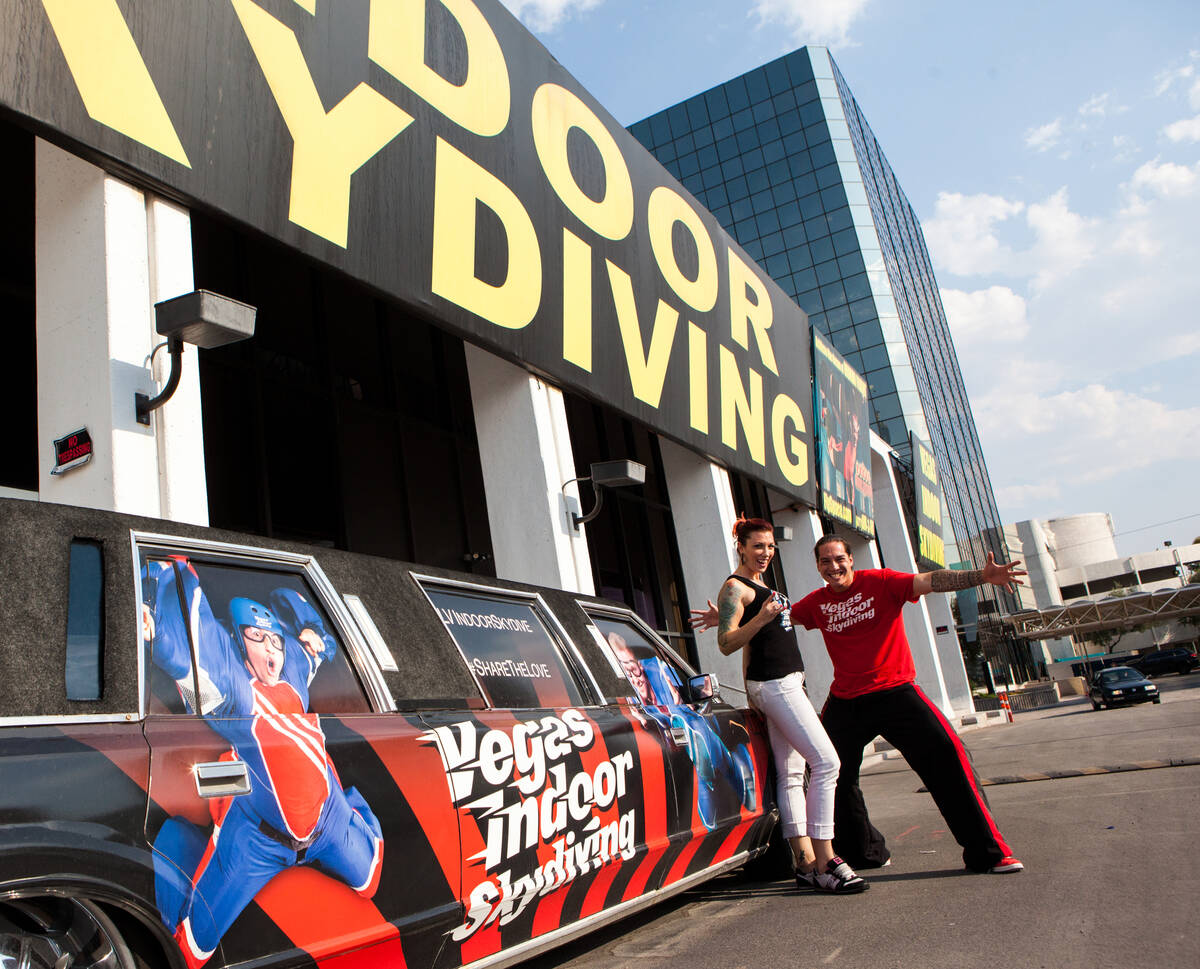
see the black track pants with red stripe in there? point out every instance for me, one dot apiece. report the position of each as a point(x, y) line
point(906, 719)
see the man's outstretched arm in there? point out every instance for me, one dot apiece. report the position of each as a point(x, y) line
point(952, 580)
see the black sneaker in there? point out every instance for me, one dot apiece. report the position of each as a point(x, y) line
point(838, 878)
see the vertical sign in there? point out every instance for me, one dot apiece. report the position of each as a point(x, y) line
point(927, 494)
point(843, 439)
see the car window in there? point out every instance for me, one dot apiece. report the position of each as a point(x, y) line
point(210, 629)
point(653, 675)
point(509, 648)
point(1119, 676)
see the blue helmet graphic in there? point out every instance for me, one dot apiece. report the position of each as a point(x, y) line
point(246, 612)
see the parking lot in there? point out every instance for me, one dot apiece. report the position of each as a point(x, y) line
point(1111, 856)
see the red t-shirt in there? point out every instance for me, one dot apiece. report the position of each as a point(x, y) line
point(863, 630)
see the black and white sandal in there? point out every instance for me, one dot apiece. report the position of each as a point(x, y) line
point(838, 878)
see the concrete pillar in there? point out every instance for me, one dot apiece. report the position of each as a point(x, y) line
point(800, 573)
point(102, 261)
point(702, 508)
point(891, 529)
point(525, 453)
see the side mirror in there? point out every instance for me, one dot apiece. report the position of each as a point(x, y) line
point(703, 687)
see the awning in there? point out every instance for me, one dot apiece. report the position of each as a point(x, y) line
point(1112, 612)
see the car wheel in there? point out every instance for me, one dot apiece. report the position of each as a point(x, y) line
point(1157, 699)
point(1096, 706)
point(46, 933)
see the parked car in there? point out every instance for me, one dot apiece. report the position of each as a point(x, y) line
point(219, 749)
point(1175, 659)
point(1121, 685)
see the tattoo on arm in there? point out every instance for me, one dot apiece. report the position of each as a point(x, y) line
point(951, 580)
point(727, 607)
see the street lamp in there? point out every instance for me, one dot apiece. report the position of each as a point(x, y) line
point(203, 319)
point(607, 474)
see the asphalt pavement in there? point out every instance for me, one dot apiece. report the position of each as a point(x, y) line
point(1102, 806)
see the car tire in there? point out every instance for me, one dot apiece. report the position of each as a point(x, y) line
point(44, 931)
point(1157, 699)
point(1097, 706)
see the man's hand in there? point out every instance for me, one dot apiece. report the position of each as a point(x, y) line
point(952, 580)
point(1003, 575)
point(312, 643)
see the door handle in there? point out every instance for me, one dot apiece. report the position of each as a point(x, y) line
point(222, 778)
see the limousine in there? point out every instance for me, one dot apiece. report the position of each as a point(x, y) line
point(224, 750)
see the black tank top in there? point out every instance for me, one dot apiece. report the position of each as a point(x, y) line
point(773, 649)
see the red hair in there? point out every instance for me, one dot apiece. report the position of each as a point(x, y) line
point(744, 527)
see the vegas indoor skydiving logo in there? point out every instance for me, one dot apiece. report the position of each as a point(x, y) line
point(517, 785)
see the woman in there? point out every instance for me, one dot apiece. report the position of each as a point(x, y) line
point(751, 616)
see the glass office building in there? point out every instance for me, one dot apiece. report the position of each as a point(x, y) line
point(784, 158)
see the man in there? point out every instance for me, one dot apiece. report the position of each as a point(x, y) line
point(253, 690)
point(874, 694)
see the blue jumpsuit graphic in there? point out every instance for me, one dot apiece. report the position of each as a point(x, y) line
point(708, 753)
point(296, 811)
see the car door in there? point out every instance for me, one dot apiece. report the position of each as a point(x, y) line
point(716, 755)
point(559, 818)
point(277, 811)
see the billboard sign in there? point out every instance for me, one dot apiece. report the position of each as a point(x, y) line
point(927, 493)
point(436, 152)
point(843, 444)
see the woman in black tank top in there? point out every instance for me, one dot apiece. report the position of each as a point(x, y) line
point(752, 617)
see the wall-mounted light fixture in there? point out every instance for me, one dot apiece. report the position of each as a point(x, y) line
point(608, 474)
point(203, 319)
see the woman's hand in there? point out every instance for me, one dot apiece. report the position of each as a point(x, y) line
point(703, 619)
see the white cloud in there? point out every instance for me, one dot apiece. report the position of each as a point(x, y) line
point(1044, 137)
point(1194, 94)
point(1096, 107)
point(1065, 240)
point(1165, 80)
point(1188, 129)
point(812, 21)
point(985, 315)
point(1166, 179)
point(545, 15)
point(1125, 148)
point(962, 233)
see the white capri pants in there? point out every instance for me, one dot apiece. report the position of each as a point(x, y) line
point(797, 737)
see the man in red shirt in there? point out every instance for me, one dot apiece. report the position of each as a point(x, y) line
point(874, 694)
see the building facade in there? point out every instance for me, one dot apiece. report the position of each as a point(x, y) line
point(786, 161)
point(457, 314)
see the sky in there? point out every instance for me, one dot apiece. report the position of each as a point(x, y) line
point(1051, 151)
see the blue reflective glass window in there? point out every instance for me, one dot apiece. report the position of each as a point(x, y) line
point(784, 101)
point(777, 266)
point(774, 152)
point(843, 341)
point(693, 183)
point(805, 184)
point(794, 142)
point(731, 167)
point(660, 131)
point(677, 116)
point(811, 113)
point(741, 209)
point(689, 164)
point(737, 188)
point(783, 193)
point(834, 197)
point(810, 302)
point(772, 242)
point(827, 272)
point(703, 136)
point(708, 156)
point(672, 167)
point(806, 91)
point(821, 249)
point(875, 358)
point(779, 172)
point(746, 232)
point(862, 310)
point(794, 235)
point(829, 175)
point(716, 192)
point(711, 178)
point(697, 112)
point(762, 201)
point(838, 317)
point(641, 131)
point(756, 86)
point(727, 148)
point(747, 140)
point(799, 69)
point(845, 241)
point(801, 258)
point(684, 145)
point(814, 225)
point(885, 406)
point(758, 181)
point(833, 294)
point(894, 431)
point(769, 222)
point(84, 668)
point(851, 263)
point(869, 334)
point(856, 286)
point(763, 111)
point(823, 155)
point(881, 383)
point(722, 128)
point(743, 120)
point(722, 214)
point(777, 76)
point(718, 107)
point(804, 279)
point(789, 123)
point(735, 93)
point(789, 213)
point(753, 159)
point(855, 360)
